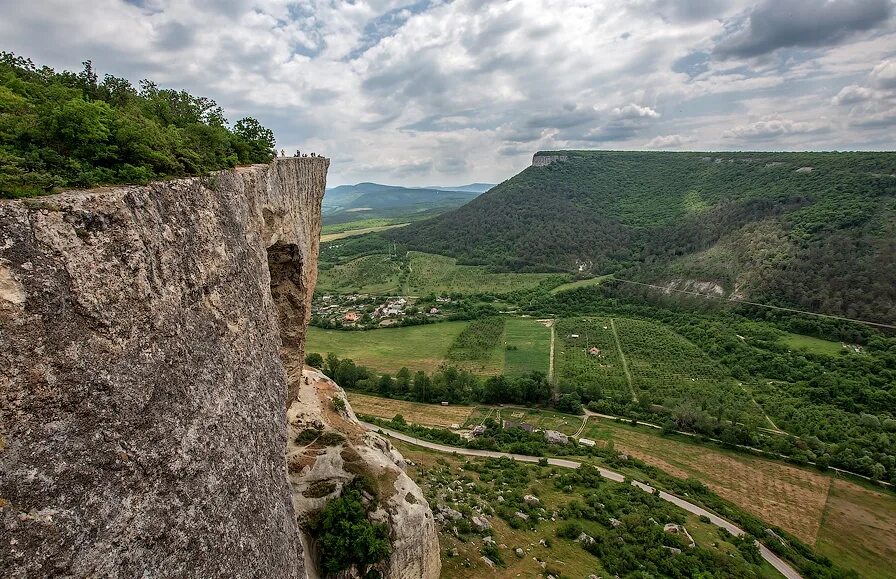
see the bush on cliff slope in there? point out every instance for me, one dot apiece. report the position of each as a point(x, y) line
point(62, 129)
point(346, 536)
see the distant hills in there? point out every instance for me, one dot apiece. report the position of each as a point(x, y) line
point(373, 200)
point(813, 230)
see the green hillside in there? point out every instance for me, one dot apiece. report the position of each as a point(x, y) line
point(812, 230)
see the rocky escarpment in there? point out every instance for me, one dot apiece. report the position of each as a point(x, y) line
point(141, 391)
point(328, 448)
point(542, 160)
point(146, 336)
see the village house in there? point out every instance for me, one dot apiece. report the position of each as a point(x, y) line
point(351, 317)
point(593, 351)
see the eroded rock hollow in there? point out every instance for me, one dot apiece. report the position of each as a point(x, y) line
point(151, 341)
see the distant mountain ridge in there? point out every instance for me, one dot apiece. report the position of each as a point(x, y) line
point(374, 200)
point(813, 230)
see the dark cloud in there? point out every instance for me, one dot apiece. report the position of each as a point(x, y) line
point(685, 10)
point(775, 24)
point(692, 64)
point(175, 36)
point(570, 115)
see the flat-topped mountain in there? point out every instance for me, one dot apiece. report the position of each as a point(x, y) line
point(813, 230)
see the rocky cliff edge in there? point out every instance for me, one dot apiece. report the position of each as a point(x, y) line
point(146, 338)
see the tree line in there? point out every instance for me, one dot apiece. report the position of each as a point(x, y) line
point(64, 129)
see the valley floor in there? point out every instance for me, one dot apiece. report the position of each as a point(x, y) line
point(852, 523)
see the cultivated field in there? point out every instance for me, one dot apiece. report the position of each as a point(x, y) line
point(527, 346)
point(574, 364)
point(343, 230)
point(663, 366)
point(858, 529)
point(375, 274)
point(791, 497)
point(853, 525)
point(387, 350)
point(415, 412)
point(429, 273)
point(478, 347)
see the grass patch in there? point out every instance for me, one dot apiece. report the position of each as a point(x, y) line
point(440, 275)
point(527, 346)
point(387, 350)
point(812, 345)
point(413, 412)
point(858, 529)
point(581, 283)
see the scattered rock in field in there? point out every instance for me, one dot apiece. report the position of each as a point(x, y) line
point(488, 562)
point(488, 540)
point(522, 515)
point(531, 500)
point(450, 513)
point(585, 539)
point(674, 550)
point(481, 523)
point(519, 552)
point(615, 522)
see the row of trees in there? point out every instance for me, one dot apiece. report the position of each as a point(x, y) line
point(448, 384)
point(65, 129)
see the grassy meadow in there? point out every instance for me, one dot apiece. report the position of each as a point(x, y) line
point(389, 349)
point(527, 346)
point(812, 345)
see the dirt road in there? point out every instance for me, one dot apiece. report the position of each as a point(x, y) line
point(784, 568)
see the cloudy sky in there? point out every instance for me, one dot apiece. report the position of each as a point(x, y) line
point(449, 92)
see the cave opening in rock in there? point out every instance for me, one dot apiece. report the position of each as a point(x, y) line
point(288, 291)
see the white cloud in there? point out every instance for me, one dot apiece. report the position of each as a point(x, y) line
point(633, 111)
point(443, 92)
point(668, 141)
point(853, 94)
point(884, 75)
point(773, 128)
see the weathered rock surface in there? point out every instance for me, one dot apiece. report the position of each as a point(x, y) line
point(344, 450)
point(541, 160)
point(142, 394)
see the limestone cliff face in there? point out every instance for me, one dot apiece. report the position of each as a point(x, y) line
point(146, 339)
point(339, 449)
point(142, 395)
point(541, 160)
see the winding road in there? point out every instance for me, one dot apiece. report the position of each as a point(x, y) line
point(782, 567)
